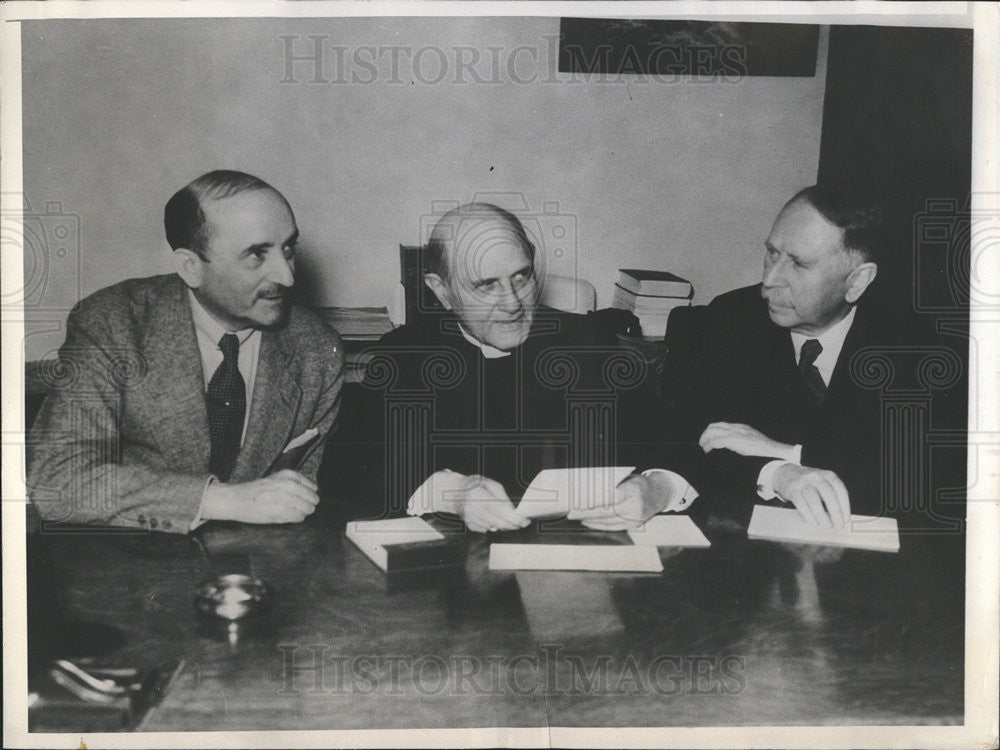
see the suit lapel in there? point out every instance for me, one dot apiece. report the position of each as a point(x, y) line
point(792, 404)
point(779, 347)
point(858, 336)
point(171, 396)
point(273, 409)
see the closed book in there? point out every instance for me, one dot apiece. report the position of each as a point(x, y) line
point(404, 544)
point(649, 299)
point(628, 301)
point(641, 281)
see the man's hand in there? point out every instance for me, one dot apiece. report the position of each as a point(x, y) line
point(817, 494)
point(284, 497)
point(637, 499)
point(742, 439)
point(483, 504)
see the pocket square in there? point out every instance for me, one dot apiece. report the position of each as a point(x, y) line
point(303, 439)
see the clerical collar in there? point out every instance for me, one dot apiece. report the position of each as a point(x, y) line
point(489, 352)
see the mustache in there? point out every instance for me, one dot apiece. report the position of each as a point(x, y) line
point(773, 299)
point(274, 291)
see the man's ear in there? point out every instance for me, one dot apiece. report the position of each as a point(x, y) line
point(858, 280)
point(189, 266)
point(440, 289)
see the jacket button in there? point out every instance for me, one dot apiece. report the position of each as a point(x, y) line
point(153, 523)
point(141, 519)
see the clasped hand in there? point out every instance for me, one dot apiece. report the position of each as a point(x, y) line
point(284, 497)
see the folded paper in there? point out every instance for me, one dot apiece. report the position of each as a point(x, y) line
point(564, 492)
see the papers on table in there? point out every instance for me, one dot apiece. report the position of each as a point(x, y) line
point(562, 492)
point(601, 557)
point(669, 531)
point(786, 525)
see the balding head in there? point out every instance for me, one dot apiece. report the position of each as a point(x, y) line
point(472, 225)
point(480, 264)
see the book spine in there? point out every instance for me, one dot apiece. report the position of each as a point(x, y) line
point(423, 554)
point(688, 292)
point(666, 288)
point(627, 282)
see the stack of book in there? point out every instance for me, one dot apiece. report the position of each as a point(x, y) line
point(651, 295)
point(357, 323)
point(359, 327)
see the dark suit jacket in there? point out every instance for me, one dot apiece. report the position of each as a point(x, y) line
point(123, 439)
point(568, 396)
point(728, 362)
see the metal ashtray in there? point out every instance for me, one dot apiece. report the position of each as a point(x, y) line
point(232, 597)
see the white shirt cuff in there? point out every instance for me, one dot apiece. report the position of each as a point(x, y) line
point(198, 520)
point(765, 483)
point(795, 455)
point(431, 496)
point(681, 490)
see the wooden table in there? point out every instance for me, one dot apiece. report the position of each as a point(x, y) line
point(743, 633)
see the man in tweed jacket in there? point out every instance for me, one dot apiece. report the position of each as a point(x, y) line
point(125, 439)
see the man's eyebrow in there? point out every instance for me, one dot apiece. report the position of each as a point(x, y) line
point(485, 282)
point(256, 247)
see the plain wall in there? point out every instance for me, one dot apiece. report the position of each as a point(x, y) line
point(685, 176)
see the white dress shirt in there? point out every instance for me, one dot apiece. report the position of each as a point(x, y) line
point(832, 341)
point(209, 332)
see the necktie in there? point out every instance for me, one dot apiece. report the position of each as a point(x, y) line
point(814, 381)
point(227, 402)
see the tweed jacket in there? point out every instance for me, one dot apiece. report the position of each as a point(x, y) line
point(123, 440)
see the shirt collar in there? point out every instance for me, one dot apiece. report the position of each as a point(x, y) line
point(489, 352)
point(209, 327)
point(832, 339)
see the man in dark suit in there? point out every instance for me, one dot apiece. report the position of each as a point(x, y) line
point(762, 378)
point(193, 396)
point(459, 412)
